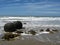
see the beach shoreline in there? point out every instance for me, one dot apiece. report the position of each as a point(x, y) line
point(26, 41)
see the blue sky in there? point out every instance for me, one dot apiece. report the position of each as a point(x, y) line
point(29, 7)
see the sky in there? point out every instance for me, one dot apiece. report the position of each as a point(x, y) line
point(29, 7)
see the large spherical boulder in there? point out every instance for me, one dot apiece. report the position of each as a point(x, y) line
point(9, 27)
point(13, 26)
point(18, 24)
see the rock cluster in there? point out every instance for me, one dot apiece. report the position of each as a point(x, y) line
point(11, 27)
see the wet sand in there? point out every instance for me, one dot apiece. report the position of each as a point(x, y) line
point(30, 40)
point(25, 41)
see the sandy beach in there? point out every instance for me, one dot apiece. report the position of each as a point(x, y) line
point(25, 41)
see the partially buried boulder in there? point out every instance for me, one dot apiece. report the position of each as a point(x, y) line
point(18, 24)
point(9, 27)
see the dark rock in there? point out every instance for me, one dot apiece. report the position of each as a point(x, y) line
point(55, 30)
point(24, 23)
point(32, 32)
point(9, 27)
point(19, 31)
point(18, 24)
point(41, 30)
point(47, 29)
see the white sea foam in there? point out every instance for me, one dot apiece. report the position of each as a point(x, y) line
point(31, 18)
point(35, 21)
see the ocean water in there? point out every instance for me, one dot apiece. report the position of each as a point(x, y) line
point(32, 21)
point(36, 23)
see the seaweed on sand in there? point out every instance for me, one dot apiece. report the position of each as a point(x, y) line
point(9, 36)
point(32, 32)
